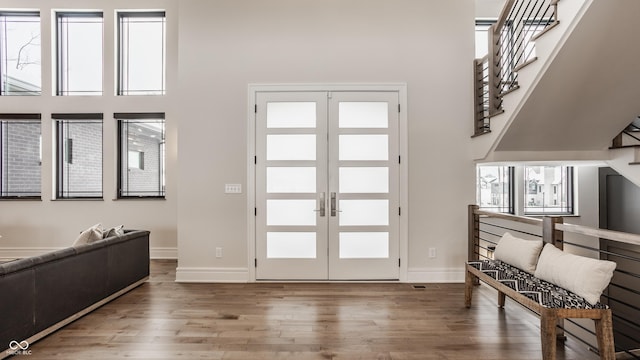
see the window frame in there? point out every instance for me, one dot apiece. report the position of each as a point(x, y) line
point(121, 152)
point(119, 53)
point(569, 175)
point(510, 208)
point(60, 159)
point(59, 63)
point(26, 13)
point(24, 117)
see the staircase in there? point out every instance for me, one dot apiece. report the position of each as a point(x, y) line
point(570, 99)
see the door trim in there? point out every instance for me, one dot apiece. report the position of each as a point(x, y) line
point(400, 88)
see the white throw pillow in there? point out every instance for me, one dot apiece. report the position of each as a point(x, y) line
point(90, 235)
point(114, 231)
point(520, 253)
point(584, 276)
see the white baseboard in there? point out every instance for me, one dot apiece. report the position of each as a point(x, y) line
point(435, 275)
point(163, 253)
point(211, 275)
point(10, 253)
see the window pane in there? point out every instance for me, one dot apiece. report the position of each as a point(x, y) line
point(291, 115)
point(142, 158)
point(20, 144)
point(363, 115)
point(141, 54)
point(291, 245)
point(548, 189)
point(291, 212)
point(291, 180)
point(494, 188)
point(364, 245)
point(79, 45)
point(363, 147)
point(364, 212)
point(20, 54)
point(364, 180)
point(79, 158)
point(291, 147)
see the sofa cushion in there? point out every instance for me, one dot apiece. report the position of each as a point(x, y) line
point(520, 253)
point(90, 235)
point(584, 276)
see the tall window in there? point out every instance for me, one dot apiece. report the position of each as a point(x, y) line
point(141, 53)
point(494, 188)
point(79, 53)
point(548, 190)
point(141, 155)
point(482, 37)
point(21, 156)
point(20, 53)
point(78, 155)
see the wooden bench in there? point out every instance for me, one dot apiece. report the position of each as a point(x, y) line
point(552, 303)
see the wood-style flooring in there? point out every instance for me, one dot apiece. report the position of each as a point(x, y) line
point(163, 319)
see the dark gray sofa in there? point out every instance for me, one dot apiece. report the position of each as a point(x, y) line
point(38, 295)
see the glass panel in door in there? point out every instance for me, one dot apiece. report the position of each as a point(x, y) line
point(363, 154)
point(291, 232)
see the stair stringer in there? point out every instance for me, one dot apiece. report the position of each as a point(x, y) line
point(619, 161)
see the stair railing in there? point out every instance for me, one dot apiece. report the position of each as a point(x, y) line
point(629, 137)
point(511, 47)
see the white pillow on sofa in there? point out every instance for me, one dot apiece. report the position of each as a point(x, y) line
point(114, 231)
point(581, 275)
point(520, 253)
point(90, 235)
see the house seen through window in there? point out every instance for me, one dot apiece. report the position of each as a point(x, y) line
point(141, 153)
point(494, 188)
point(78, 155)
point(548, 190)
point(20, 156)
point(20, 62)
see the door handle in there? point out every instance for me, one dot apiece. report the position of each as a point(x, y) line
point(333, 204)
point(321, 202)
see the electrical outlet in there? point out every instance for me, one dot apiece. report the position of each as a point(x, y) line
point(432, 253)
point(218, 252)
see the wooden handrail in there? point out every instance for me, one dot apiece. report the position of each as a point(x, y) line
point(504, 15)
point(520, 219)
point(618, 236)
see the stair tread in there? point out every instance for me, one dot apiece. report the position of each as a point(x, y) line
point(624, 147)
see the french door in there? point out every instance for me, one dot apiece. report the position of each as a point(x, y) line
point(327, 186)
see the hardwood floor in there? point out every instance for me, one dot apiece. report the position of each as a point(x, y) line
point(166, 320)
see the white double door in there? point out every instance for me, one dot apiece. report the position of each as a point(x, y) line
point(327, 186)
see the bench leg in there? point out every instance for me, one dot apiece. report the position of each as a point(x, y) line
point(468, 288)
point(604, 333)
point(501, 299)
point(548, 322)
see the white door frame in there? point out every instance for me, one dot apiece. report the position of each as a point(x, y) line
point(253, 89)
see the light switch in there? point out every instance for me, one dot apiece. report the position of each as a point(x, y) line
point(233, 188)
